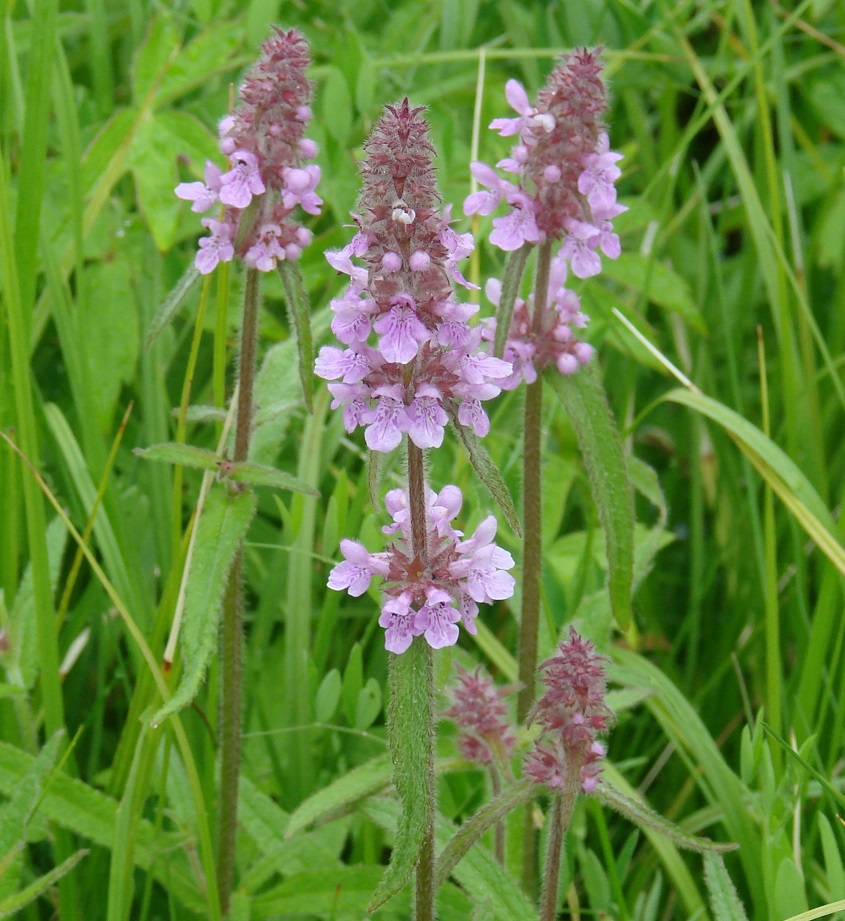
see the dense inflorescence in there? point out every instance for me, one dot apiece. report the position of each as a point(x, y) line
point(571, 713)
point(426, 357)
point(479, 711)
point(267, 178)
point(428, 594)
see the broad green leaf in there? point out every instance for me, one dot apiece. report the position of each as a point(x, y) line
point(353, 681)
point(338, 796)
point(368, 705)
point(641, 814)
point(172, 304)
point(153, 58)
point(171, 452)
point(776, 468)
point(411, 742)
point(13, 904)
point(17, 812)
point(299, 311)
point(471, 831)
point(211, 52)
point(259, 475)
point(328, 696)
point(220, 531)
point(152, 161)
point(486, 469)
point(514, 270)
point(337, 106)
point(21, 661)
point(789, 896)
point(583, 397)
point(108, 325)
point(657, 282)
point(91, 814)
point(834, 868)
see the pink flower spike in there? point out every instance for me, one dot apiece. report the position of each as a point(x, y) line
point(401, 331)
point(204, 195)
point(216, 248)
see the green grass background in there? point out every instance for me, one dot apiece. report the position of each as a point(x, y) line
point(731, 116)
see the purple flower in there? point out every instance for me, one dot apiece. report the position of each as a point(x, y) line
point(264, 144)
point(428, 595)
point(216, 248)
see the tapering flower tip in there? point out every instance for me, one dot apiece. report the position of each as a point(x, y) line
point(565, 168)
point(428, 594)
point(426, 357)
point(572, 713)
point(264, 142)
point(480, 713)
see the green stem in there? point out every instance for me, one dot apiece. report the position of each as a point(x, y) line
point(425, 885)
point(561, 815)
point(532, 548)
point(232, 637)
point(499, 831)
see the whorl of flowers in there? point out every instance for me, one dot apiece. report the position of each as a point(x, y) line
point(530, 349)
point(479, 711)
point(572, 713)
point(267, 177)
point(428, 593)
point(564, 166)
point(425, 356)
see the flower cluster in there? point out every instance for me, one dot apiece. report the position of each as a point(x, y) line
point(428, 593)
point(481, 716)
point(529, 349)
point(571, 713)
point(426, 357)
point(564, 166)
point(266, 148)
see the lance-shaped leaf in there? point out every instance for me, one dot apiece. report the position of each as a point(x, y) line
point(486, 817)
point(331, 801)
point(261, 475)
point(172, 304)
point(641, 814)
point(171, 452)
point(583, 397)
point(514, 270)
point(221, 529)
point(411, 740)
point(10, 906)
point(724, 900)
point(374, 468)
point(486, 469)
point(299, 310)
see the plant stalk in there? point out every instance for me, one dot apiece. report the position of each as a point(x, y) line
point(561, 815)
point(532, 549)
point(232, 636)
point(424, 884)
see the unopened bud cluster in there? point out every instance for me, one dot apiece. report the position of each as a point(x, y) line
point(267, 178)
point(572, 714)
point(481, 715)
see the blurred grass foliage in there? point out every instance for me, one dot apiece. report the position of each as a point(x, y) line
point(731, 116)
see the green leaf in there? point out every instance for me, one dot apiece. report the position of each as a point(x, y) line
point(153, 58)
point(212, 51)
point(220, 531)
point(152, 160)
point(514, 270)
point(337, 106)
point(658, 283)
point(411, 749)
point(471, 831)
point(328, 696)
point(368, 705)
point(583, 397)
point(171, 452)
point(172, 303)
point(374, 469)
point(260, 475)
point(338, 796)
point(299, 310)
point(486, 469)
point(776, 468)
point(640, 814)
point(12, 905)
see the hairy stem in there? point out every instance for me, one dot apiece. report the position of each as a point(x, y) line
point(232, 635)
point(499, 831)
point(532, 547)
point(561, 815)
point(425, 885)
